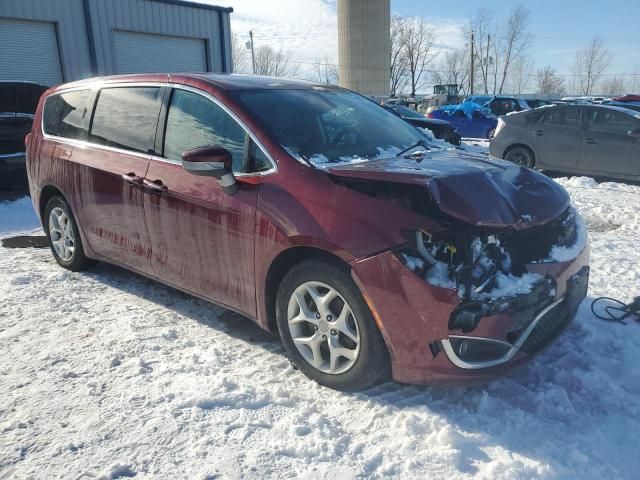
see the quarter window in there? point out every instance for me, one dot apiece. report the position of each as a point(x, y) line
point(64, 114)
point(194, 121)
point(126, 117)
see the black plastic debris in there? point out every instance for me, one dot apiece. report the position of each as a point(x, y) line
point(25, 241)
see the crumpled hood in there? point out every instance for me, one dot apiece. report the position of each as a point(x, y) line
point(473, 188)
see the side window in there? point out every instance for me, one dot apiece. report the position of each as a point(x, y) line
point(611, 122)
point(194, 121)
point(64, 114)
point(126, 117)
point(564, 117)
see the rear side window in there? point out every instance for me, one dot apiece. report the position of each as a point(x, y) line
point(194, 121)
point(126, 117)
point(607, 121)
point(64, 114)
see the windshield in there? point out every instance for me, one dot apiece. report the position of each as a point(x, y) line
point(407, 112)
point(326, 125)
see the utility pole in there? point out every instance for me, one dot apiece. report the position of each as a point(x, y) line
point(471, 66)
point(253, 57)
point(486, 66)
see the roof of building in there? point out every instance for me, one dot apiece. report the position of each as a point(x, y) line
point(196, 4)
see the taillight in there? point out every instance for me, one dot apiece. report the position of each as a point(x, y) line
point(429, 115)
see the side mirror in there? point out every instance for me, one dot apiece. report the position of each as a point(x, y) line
point(211, 162)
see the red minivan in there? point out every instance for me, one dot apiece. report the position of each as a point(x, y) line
point(315, 212)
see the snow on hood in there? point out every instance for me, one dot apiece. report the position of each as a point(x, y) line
point(473, 188)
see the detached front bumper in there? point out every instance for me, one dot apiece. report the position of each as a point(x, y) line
point(414, 318)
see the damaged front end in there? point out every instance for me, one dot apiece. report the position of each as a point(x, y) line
point(495, 277)
point(494, 273)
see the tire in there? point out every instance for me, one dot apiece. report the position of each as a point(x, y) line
point(522, 156)
point(491, 133)
point(353, 333)
point(63, 235)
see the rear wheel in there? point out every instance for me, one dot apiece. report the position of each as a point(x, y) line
point(64, 237)
point(520, 156)
point(491, 134)
point(327, 328)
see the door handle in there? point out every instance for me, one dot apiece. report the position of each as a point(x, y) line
point(132, 178)
point(538, 133)
point(590, 141)
point(155, 185)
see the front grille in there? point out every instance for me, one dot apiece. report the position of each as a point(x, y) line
point(548, 328)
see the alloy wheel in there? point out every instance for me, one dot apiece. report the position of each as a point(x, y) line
point(61, 234)
point(323, 328)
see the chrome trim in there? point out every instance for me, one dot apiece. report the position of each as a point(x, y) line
point(103, 83)
point(514, 348)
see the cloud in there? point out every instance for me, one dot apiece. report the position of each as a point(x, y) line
point(307, 30)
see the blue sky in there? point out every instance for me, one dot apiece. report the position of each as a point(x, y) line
point(559, 27)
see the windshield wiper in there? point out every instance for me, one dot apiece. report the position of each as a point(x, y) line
point(419, 143)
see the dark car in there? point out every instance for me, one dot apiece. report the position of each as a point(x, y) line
point(599, 140)
point(18, 102)
point(371, 253)
point(441, 129)
point(533, 103)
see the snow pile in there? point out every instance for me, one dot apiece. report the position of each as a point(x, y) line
point(106, 374)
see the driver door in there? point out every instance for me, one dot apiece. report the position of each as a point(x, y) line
point(202, 238)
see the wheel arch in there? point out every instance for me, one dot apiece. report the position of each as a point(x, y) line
point(284, 262)
point(46, 194)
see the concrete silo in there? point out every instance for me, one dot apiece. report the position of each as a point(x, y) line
point(363, 45)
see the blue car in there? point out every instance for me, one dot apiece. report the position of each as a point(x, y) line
point(469, 119)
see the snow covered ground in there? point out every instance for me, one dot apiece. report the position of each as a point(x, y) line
point(105, 374)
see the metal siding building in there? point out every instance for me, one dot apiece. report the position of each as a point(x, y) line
point(54, 41)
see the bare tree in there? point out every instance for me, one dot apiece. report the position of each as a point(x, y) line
point(453, 68)
point(516, 41)
point(399, 70)
point(239, 57)
point(520, 76)
point(272, 63)
point(326, 72)
point(591, 63)
point(549, 83)
point(418, 39)
point(613, 86)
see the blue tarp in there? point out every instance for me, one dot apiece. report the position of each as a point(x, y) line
point(468, 108)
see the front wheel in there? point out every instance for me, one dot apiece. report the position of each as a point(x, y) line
point(327, 328)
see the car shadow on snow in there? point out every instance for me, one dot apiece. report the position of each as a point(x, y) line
point(206, 313)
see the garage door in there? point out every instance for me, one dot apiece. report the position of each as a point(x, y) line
point(147, 53)
point(29, 51)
